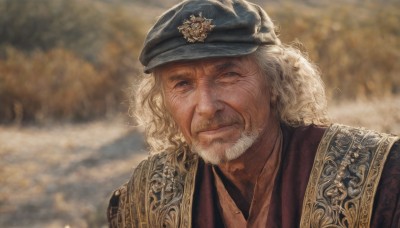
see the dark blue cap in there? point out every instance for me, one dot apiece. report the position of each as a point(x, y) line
point(198, 29)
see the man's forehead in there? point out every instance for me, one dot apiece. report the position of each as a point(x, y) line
point(216, 64)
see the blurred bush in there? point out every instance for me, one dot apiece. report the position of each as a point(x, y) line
point(356, 45)
point(45, 24)
point(73, 59)
point(65, 60)
point(54, 84)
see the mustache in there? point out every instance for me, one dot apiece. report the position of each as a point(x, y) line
point(215, 123)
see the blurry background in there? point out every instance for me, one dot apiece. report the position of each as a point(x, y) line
point(66, 68)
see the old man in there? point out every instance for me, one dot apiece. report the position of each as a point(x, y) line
point(239, 134)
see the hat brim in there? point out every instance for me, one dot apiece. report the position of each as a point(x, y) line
point(200, 51)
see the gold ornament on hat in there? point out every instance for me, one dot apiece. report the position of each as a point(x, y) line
point(196, 29)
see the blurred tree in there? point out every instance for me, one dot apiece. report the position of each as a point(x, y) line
point(46, 24)
point(74, 59)
point(356, 45)
point(66, 59)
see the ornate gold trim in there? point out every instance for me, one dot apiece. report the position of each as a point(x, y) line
point(187, 200)
point(344, 177)
point(160, 192)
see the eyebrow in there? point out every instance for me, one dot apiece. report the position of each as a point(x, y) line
point(217, 68)
point(223, 66)
point(177, 77)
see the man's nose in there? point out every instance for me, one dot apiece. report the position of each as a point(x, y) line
point(208, 103)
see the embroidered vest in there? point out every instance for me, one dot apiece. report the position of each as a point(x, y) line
point(340, 192)
point(344, 178)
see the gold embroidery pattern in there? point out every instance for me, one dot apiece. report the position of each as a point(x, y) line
point(196, 29)
point(117, 219)
point(170, 189)
point(137, 211)
point(165, 193)
point(344, 178)
point(187, 200)
point(160, 192)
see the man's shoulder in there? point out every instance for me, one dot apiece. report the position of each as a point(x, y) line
point(343, 137)
point(340, 134)
point(178, 160)
point(163, 180)
point(116, 202)
point(347, 170)
point(154, 163)
point(313, 129)
point(122, 197)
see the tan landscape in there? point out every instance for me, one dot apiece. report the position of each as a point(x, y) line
point(66, 68)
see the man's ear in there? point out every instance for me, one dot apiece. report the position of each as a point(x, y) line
point(273, 97)
point(274, 103)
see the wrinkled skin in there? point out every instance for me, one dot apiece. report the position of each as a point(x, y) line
point(216, 102)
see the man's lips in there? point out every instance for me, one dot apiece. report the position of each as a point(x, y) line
point(216, 129)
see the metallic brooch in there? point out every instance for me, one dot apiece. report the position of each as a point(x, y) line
point(196, 29)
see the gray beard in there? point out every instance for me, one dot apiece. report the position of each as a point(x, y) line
point(237, 149)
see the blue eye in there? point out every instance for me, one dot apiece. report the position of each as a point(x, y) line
point(229, 77)
point(231, 74)
point(182, 85)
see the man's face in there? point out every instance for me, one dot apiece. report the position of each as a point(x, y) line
point(221, 105)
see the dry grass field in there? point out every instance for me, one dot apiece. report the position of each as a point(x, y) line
point(83, 54)
point(377, 114)
point(66, 67)
point(62, 175)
